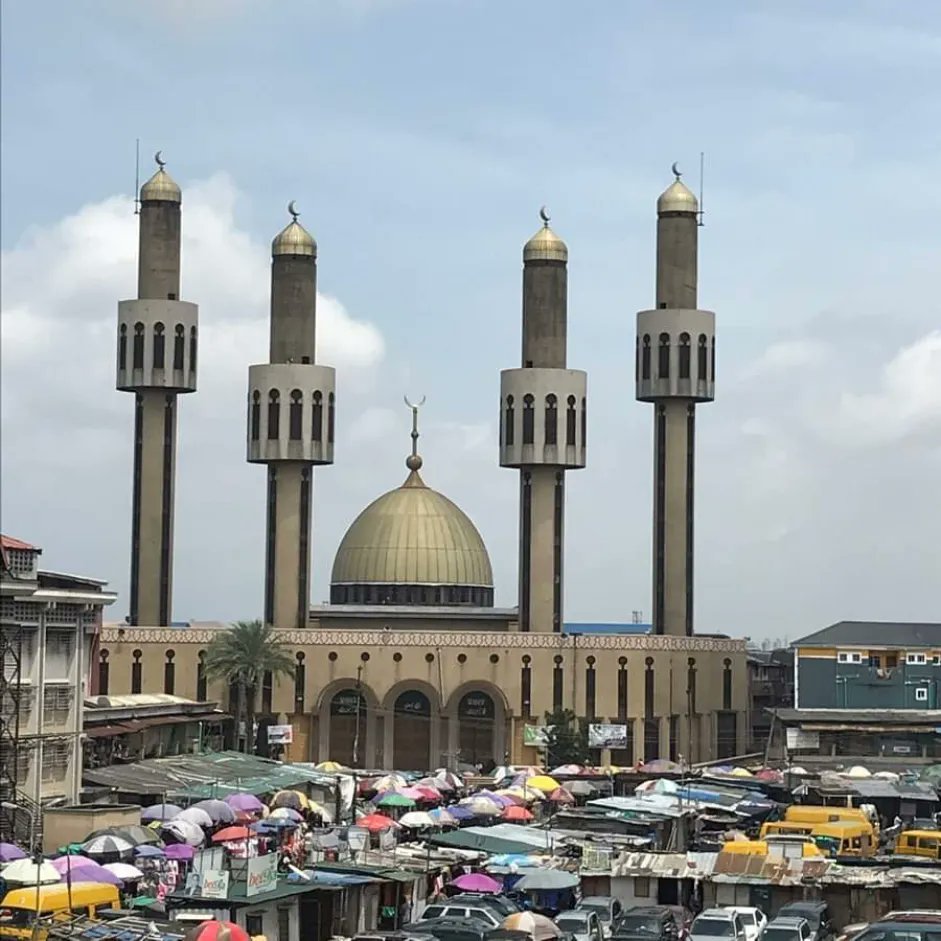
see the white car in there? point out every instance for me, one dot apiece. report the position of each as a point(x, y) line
point(717, 923)
point(754, 920)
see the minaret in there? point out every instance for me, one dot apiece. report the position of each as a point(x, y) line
point(675, 369)
point(542, 429)
point(291, 419)
point(157, 340)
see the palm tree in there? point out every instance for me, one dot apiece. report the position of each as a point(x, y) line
point(243, 655)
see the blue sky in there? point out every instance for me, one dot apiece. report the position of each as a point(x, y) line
point(419, 138)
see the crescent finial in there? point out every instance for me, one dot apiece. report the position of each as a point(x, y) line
point(544, 215)
point(158, 159)
point(292, 209)
point(676, 170)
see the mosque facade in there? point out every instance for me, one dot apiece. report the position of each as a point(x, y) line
point(411, 665)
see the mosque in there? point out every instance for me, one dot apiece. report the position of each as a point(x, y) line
point(411, 665)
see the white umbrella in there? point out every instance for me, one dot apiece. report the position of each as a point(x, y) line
point(540, 927)
point(108, 844)
point(481, 806)
point(195, 815)
point(25, 871)
point(124, 871)
point(219, 811)
point(185, 831)
point(417, 820)
point(858, 771)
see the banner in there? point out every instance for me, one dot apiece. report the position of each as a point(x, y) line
point(280, 734)
point(262, 874)
point(358, 838)
point(535, 735)
point(607, 736)
point(798, 738)
point(213, 884)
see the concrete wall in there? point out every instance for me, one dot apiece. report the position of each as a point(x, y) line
point(63, 825)
point(824, 683)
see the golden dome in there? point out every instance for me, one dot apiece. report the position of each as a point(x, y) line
point(677, 197)
point(294, 239)
point(161, 186)
point(412, 535)
point(545, 245)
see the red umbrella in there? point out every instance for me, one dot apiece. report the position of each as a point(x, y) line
point(375, 822)
point(561, 796)
point(517, 813)
point(227, 834)
point(217, 931)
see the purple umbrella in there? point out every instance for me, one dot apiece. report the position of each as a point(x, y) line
point(500, 799)
point(9, 852)
point(460, 813)
point(477, 882)
point(148, 849)
point(94, 873)
point(179, 851)
point(64, 863)
point(245, 802)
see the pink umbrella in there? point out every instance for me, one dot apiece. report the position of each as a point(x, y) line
point(477, 882)
point(427, 793)
point(179, 851)
point(246, 802)
point(413, 793)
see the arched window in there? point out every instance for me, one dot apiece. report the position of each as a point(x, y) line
point(169, 673)
point(701, 373)
point(267, 690)
point(122, 347)
point(712, 358)
point(584, 422)
point(651, 724)
point(274, 415)
point(691, 685)
point(256, 415)
point(178, 346)
point(138, 361)
point(159, 346)
point(570, 421)
point(663, 357)
point(622, 688)
point(645, 357)
point(529, 419)
point(684, 356)
point(103, 673)
point(136, 672)
point(331, 417)
point(526, 682)
point(295, 415)
point(509, 423)
point(552, 420)
point(727, 684)
point(201, 676)
point(300, 682)
point(316, 421)
point(192, 349)
point(590, 688)
point(558, 678)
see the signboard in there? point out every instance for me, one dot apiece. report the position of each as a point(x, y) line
point(213, 884)
point(798, 738)
point(347, 702)
point(535, 735)
point(358, 838)
point(262, 874)
point(475, 705)
point(413, 703)
point(607, 736)
point(387, 839)
point(280, 734)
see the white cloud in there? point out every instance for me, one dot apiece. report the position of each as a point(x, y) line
point(787, 355)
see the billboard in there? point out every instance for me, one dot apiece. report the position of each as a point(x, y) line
point(280, 734)
point(607, 736)
point(262, 874)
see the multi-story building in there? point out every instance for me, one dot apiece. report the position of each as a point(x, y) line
point(50, 623)
point(770, 687)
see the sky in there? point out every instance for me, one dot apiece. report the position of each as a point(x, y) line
point(419, 139)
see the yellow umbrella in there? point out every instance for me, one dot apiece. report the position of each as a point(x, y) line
point(332, 767)
point(741, 773)
point(542, 782)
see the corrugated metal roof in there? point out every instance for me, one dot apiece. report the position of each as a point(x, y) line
point(11, 542)
point(874, 634)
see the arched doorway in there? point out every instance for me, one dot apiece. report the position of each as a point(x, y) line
point(411, 741)
point(348, 727)
point(476, 716)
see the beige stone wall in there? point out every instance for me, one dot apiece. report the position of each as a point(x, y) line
point(446, 664)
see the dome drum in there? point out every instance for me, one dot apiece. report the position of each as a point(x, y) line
point(291, 413)
point(157, 345)
point(675, 355)
point(543, 417)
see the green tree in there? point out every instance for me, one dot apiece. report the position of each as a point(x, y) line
point(566, 740)
point(243, 655)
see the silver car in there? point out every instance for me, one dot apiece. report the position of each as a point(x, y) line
point(718, 923)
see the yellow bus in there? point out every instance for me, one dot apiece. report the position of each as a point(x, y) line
point(808, 813)
point(919, 843)
point(836, 838)
point(761, 847)
point(19, 907)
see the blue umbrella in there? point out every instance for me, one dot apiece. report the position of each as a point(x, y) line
point(460, 813)
point(148, 849)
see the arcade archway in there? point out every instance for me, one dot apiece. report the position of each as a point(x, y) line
point(411, 735)
point(476, 714)
point(348, 727)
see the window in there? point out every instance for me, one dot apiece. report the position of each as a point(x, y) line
point(267, 690)
point(570, 421)
point(331, 418)
point(663, 357)
point(159, 346)
point(122, 347)
point(529, 421)
point(701, 373)
point(552, 420)
point(691, 685)
point(201, 676)
point(875, 660)
point(256, 415)
point(136, 671)
point(916, 658)
point(192, 349)
point(138, 346)
point(254, 923)
point(316, 422)
point(169, 673)
point(103, 676)
point(178, 341)
point(674, 738)
point(642, 887)
point(558, 677)
point(284, 923)
point(727, 684)
point(684, 356)
point(526, 688)
point(590, 689)
point(849, 657)
point(295, 415)
point(712, 369)
point(622, 687)
point(274, 415)
point(921, 694)
point(508, 422)
point(300, 681)
point(584, 421)
point(645, 357)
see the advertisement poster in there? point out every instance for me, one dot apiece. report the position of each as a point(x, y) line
point(607, 736)
point(214, 884)
point(536, 735)
point(262, 874)
point(280, 734)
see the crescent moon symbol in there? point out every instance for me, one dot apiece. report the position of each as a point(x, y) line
point(414, 404)
point(292, 209)
point(544, 215)
point(158, 158)
point(675, 169)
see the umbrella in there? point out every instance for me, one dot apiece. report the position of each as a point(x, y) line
point(427, 792)
point(179, 851)
point(285, 813)
point(561, 796)
point(582, 788)
point(395, 799)
point(566, 769)
point(160, 812)
point(195, 815)
point(219, 811)
point(64, 863)
point(375, 822)
point(477, 882)
point(449, 780)
point(245, 802)
point(133, 832)
point(741, 773)
point(293, 799)
point(457, 812)
point(148, 850)
point(29, 873)
point(108, 844)
point(547, 880)
point(318, 810)
point(442, 817)
point(9, 852)
point(538, 927)
point(769, 774)
point(216, 931)
point(542, 782)
point(184, 832)
point(518, 814)
point(662, 766)
point(481, 806)
point(269, 826)
point(331, 767)
point(124, 871)
point(413, 792)
point(389, 782)
point(417, 820)
point(229, 834)
point(858, 771)
point(94, 873)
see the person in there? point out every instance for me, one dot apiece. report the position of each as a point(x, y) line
point(405, 912)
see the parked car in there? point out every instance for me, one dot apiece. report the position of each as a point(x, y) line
point(499, 903)
point(754, 920)
point(784, 928)
point(717, 923)
point(606, 908)
point(580, 925)
point(452, 929)
point(477, 911)
point(646, 923)
point(817, 913)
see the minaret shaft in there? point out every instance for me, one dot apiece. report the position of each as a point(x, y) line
point(542, 512)
point(287, 546)
point(293, 309)
point(545, 311)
